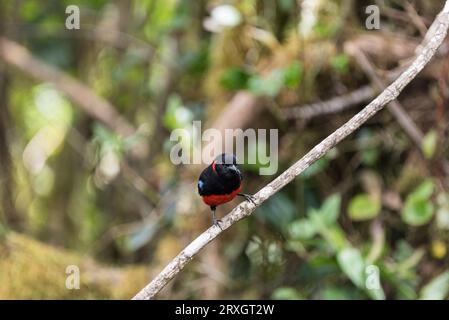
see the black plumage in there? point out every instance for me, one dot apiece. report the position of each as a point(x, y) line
point(220, 183)
point(220, 178)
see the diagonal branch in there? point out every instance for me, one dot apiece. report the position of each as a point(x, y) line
point(438, 32)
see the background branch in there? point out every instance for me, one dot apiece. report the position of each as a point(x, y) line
point(438, 32)
point(401, 116)
point(331, 106)
point(93, 105)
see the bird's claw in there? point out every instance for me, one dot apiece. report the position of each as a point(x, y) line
point(217, 222)
point(249, 198)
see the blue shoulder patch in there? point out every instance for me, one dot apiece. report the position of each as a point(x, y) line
point(200, 184)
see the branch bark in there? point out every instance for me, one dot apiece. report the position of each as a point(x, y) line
point(438, 30)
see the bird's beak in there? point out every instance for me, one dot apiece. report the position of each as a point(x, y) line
point(233, 168)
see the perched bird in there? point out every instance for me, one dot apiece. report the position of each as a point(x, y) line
point(220, 183)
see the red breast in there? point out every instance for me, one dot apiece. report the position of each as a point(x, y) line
point(217, 199)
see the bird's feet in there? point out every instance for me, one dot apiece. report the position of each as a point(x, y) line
point(248, 197)
point(217, 223)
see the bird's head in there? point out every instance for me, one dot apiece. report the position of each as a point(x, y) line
point(226, 164)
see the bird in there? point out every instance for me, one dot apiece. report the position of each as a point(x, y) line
point(221, 182)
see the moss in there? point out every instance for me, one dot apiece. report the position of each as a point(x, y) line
point(32, 270)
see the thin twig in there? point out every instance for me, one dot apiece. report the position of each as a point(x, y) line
point(331, 106)
point(402, 117)
point(395, 107)
point(415, 18)
point(245, 209)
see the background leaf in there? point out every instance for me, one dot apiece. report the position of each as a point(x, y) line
point(363, 207)
point(351, 262)
point(429, 144)
point(331, 209)
point(437, 288)
point(418, 210)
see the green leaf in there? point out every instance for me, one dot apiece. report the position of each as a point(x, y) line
point(234, 79)
point(429, 144)
point(286, 293)
point(437, 288)
point(331, 209)
point(351, 263)
point(176, 116)
point(424, 190)
point(363, 207)
point(301, 229)
point(442, 218)
point(273, 253)
point(442, 215)
point(372, 283)
point(293, 75)
point(270, 86)
point(107, 139)
point(333, 234)
point(340, 63)
point(418, 210)
point(336, 238)
point(377, 294)
point(324, 30)
point(196, 62)
point(403, 251)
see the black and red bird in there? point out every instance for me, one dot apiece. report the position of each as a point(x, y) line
point(221, 182)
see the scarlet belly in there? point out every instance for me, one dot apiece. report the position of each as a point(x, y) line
point(215, 200)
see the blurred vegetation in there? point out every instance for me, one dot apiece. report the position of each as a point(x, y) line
point(74, 192)
point(31, 269)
